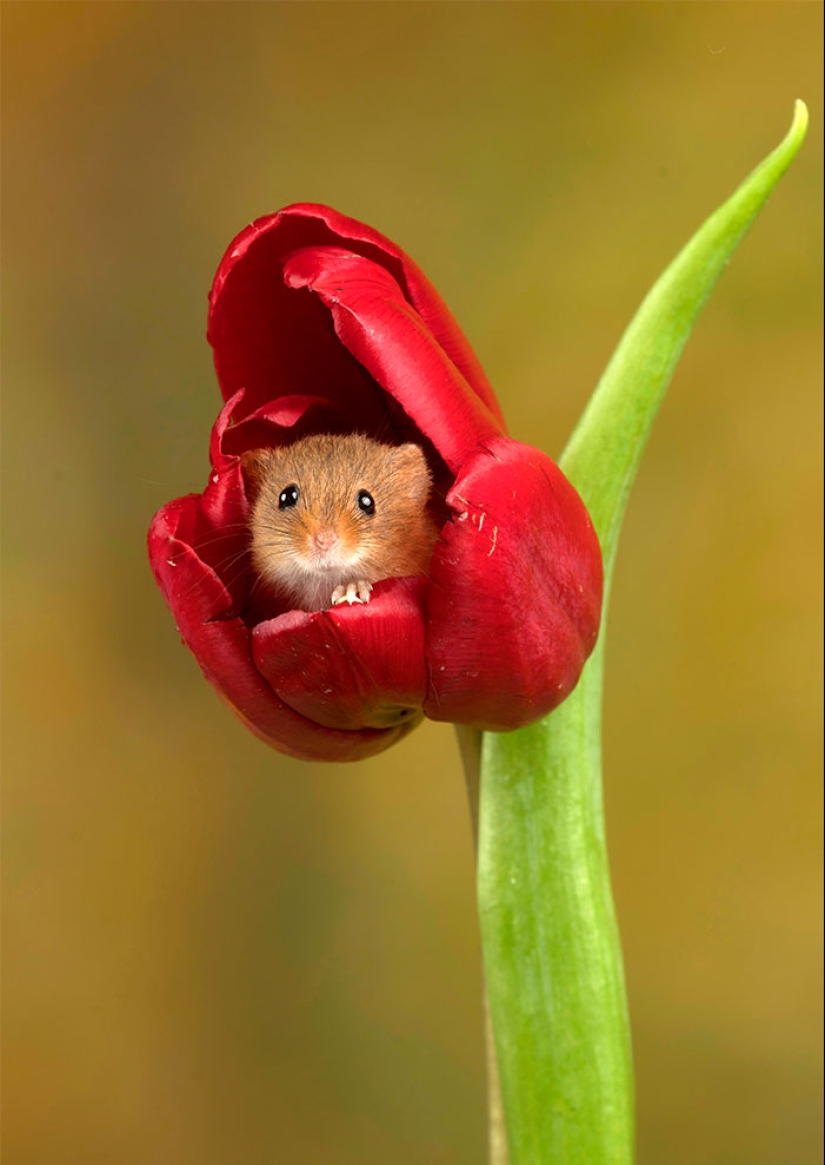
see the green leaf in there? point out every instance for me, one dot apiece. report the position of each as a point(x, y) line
point(551, 947)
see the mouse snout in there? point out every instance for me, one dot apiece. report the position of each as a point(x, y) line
point(324, 539)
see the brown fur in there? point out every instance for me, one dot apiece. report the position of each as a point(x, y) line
point(395, 541)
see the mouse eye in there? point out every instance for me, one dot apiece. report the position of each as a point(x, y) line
point(366, 502)
point(289, 497)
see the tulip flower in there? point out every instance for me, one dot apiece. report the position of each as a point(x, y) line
point(321, 325)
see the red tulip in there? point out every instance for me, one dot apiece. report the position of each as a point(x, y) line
point(321, 325)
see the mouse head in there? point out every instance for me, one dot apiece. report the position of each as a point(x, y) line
point(332, 506)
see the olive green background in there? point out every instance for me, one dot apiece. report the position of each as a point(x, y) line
point(214, 954)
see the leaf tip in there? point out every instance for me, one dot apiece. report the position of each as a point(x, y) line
point(800, 120)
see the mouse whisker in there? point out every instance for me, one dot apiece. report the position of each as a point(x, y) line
point(221, 569)
point(231, 530)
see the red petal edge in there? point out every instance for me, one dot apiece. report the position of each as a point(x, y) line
point(351, 667)
point(516, 592)
point(222, 646)
point(249, 319)
point(386, 335)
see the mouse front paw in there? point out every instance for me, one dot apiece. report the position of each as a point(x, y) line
point(354, 592)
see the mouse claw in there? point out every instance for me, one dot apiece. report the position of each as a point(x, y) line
point(354, 592)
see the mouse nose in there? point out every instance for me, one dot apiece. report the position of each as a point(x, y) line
point(324, 540)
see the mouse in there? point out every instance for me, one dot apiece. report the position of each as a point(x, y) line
point(331, 515)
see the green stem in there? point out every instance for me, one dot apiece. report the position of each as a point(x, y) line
point(551, 947)
point(469, 745)
point(555, 979)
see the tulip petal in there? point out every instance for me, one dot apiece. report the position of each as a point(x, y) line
point(278, 422)
point(516, 591)
point(286, 420)
point(351, 667)
point(421, 293)
point(221, 644)
point(270, 342)
point(273, 343)
point(379, 327)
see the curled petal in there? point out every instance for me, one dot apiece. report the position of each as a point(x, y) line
point(221, 643)
point(272, 343)
point(278, 422)
point(516, 591)
point(351, 667)
point(388, 337)
point(286, 420)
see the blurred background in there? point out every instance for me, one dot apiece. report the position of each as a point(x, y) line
point(215, 954)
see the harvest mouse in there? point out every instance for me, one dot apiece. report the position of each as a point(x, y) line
point(334, 514)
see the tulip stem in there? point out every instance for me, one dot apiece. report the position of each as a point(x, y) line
point(551, 947)
point(469, 744)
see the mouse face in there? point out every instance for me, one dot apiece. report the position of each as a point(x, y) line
point(330, 511)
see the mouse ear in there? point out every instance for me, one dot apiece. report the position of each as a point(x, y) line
point(254, 464)
point(410, 460)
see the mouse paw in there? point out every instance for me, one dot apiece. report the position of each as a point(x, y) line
point(354, 592)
